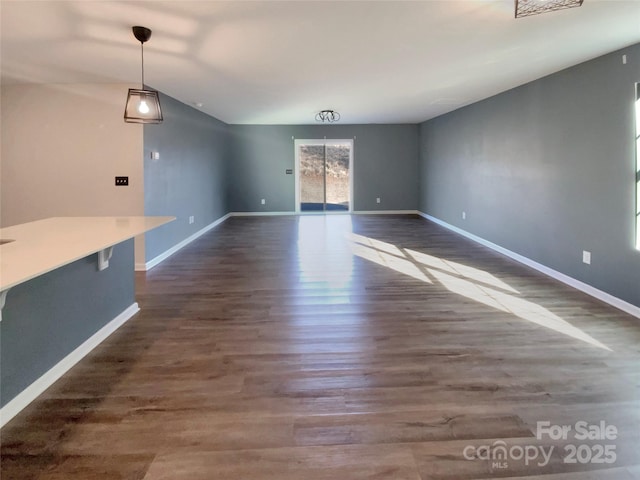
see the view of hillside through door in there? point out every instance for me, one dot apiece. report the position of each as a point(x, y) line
point(323, 175)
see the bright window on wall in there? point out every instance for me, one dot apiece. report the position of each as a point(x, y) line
point(638, 166)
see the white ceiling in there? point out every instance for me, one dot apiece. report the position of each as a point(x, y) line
point(279, 62)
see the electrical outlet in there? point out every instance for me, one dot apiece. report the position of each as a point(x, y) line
point(155, 155)
point(464, 215)
point(378, 200)
point(191, 219)
point(263, 201)
point(586, 257)
point(122, 181)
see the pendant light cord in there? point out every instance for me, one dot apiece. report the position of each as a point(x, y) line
point(142, 54)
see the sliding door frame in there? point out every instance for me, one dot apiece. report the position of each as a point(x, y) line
point(322, 142)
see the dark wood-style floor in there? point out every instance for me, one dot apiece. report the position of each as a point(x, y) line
point(340, 348)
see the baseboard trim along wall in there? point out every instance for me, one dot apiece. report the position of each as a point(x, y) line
point(385, 212)
point(30, 393)
point(572, 282)
point(143, 267)
point(260, 214)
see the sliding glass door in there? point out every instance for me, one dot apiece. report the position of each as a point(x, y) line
point(323, 175)
point(311, 177)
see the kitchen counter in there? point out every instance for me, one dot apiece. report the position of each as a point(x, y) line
point(44, 245)
point(66, 284)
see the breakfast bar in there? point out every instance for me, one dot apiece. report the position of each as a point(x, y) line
point(66, 283)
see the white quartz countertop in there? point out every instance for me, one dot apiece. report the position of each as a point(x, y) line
point(44, 245)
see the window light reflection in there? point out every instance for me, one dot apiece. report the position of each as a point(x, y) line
point(390, 261)
point(325, 261)
point(469, 282)
point(460, 269)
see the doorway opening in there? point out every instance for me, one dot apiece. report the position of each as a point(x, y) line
point(324, 176)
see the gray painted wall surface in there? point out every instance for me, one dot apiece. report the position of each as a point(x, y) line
point(546, 170)
point(385, 165)
point(48, 317)
point(190, 176)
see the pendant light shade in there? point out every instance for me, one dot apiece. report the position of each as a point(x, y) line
point(143, 105)
point(526, 8)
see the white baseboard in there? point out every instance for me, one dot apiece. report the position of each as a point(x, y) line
point(337, 212)
point(30, 393)
point(143, 267)
point(260, 214)
point(386, 212)
point(572, 282)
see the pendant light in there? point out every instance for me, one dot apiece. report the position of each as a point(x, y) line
point(143, 106)
point(526, 8)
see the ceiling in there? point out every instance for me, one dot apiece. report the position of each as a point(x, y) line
point(279, 62)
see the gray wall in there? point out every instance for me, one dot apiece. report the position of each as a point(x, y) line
point(385, 165)
point(546, 170)
point(48, 317)
point(190, 176)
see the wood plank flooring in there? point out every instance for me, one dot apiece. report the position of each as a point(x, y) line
point(339, 347)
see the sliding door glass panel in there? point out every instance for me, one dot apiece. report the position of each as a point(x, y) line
point(337, 177)
point(312, 175)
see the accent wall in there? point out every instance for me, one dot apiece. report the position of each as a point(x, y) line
point(546, 170)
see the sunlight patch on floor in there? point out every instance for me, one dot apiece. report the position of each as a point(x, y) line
point(460, 269)
point(390, 261)
point(467, 289)
point(524, 309)
point(466, 281)
point(377, 244)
